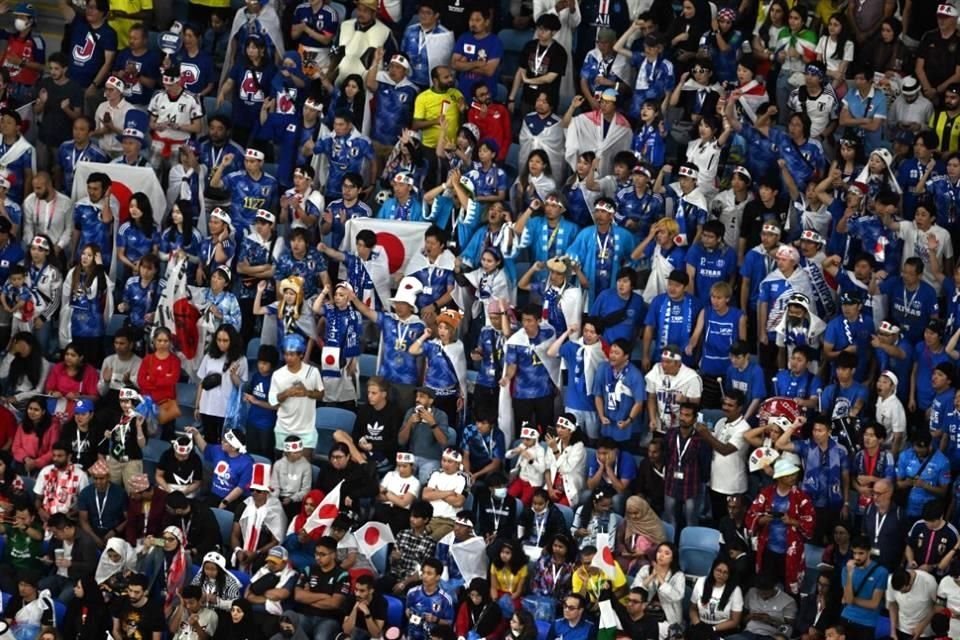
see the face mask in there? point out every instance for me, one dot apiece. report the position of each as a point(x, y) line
point(500, 493)
point(287, 633)
point(20, 24)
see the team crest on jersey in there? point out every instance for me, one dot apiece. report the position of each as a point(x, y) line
point(83, 53)
point(354, 152)
point(402, 97)
point(286, 101)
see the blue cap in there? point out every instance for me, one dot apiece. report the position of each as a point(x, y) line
point(82, 407)
point(294, 342)
point(610, 94)
point(25, 9)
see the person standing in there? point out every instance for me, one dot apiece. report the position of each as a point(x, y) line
point(294, 390)
point(864, 584)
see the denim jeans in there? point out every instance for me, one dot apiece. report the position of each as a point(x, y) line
point(318, 628)
point(691, 511)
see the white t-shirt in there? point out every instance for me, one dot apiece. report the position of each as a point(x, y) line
point(711, 613)
point(949, 591)
point(213, 402)
point(915, 246)
point(891, 415)
point(446, 482)
point(394, 483)
point(668, 388)
point(728, 474)
point(296, 416)
point(110, 142)
point(182, 111)
point(914, 605)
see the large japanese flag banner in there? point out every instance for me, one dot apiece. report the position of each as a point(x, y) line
point(325, 513)
point(397, 242)
point(126, 182)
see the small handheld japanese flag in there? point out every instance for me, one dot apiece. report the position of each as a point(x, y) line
point(325, 513)
point(372, 537)
point(604, 557)
point(331, 359)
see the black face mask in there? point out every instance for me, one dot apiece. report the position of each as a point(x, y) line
point(287, 633)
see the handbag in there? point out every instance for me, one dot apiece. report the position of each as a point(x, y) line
point(168, 411)
point(211, 381)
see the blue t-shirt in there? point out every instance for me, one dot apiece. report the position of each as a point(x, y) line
point(935, 470)
point(672, 320)
point(625, 467)
point(248, 195)
point(757, 265)
point(346, 154)
point(837, 401)
point(472, 49)
point(141, 300)
point(483, 449)
point(777, 531)
point(719, 334)
point(576, 396)
point(88, 47)
point(135, 242)
point(396, 363)
point(842, 333)
point(87, 220)
point(420, 603)
point(620, 391)
point(309, 267)
point(148, 66)
point(228, 473)
point(250, 88)
point(718, 265)
point(196, 72)
point(258, 417)
point(750, 381)
point(609, 302)
point(68, 156)
point(926, 361)
point(440, 374)
point(911, 309)
point(532, 379)
point(802, 387)
point(864, 587)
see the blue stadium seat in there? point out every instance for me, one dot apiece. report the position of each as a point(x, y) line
point(225, 522)
point(261, 459)
point(367, 365)
point(670, 532)
point(699, 547)
point(394, 611)
point(316, 474)
point(252, 348)
point(186, 394)
point(513, 157)
point(332, 419)
point(243, 577)
point(543, 629)
point(116, 321)
point(154, 449)
point(59, 613)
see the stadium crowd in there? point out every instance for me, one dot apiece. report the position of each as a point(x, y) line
point(436, 319)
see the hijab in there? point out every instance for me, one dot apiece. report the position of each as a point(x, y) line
point(315, 496)
point(107, 568)
point(485, 617)
point(649, 525)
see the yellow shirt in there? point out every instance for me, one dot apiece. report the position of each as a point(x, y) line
point(594, 582)
point(507, 580)
point(430, 105)
point(122, 25)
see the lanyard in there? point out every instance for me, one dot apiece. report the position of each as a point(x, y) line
point(908, 302)
point(76, 156)
point(101, 505)
point(602, 254)
point(402, 336)
point(540, 522)
point(495, 512)
point(683, 451)
point(557, 572)
point(877, 526)
point(51, 208)
point(553, 236)
point(538, 59)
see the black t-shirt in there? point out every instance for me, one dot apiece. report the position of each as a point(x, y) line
point(56, 127)
point(756, 214)
point(538, 61)
point(380, 428)
point(180, 472)
point(83, 444)
point(122, 444)
point(328, 583)
point(378, 611)
point(939, 56)
point(140, 623)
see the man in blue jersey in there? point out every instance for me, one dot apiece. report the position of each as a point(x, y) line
point(477, 54)
point(620, 393)
point(93, 217)
point(746, 377)
point(574, 624)
point(849, 333)
point(249, 189)
point(213, 149)
point(393, 107)
point(428, 605)
point(710, 261)
point(620, 310)
point(912, 302)
point(347, 150)
point(530, 371)
point(670, 317)
point(232, 467)
point(81, 148)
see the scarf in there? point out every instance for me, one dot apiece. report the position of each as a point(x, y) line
point(593, 355)
point(522, 340)
point(107, 568)
point(648, 526)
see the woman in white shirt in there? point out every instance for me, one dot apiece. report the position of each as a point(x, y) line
point(704, 152)
point(566, 462)
point(890, 412)
point(716, 599)
point(223, 369)
point(665, 584)
point(835, 49)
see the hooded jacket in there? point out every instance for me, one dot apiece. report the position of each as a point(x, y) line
point(298, 632)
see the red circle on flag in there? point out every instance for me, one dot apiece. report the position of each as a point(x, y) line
point(396, 252)
point(372, 536)
point(328, 512)
point(607, 556)
point(123, 194)
point(329, 359)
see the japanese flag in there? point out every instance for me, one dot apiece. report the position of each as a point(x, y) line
point(603, 559)
point(372, 537)
point(331, 359)
point(325, 513)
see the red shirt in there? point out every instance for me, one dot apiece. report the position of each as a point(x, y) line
point(158, 377)
point(29, 49)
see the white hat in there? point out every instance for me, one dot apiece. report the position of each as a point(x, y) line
point(40, 242)
point(316, 105)
point(783, 468)
point(687, 171)
point(407, 291)
point(566, 423)
point(266, 216)
point(910, 86)
point(770, 228)
point(892, 376)
point(292, 444)
point(130, 394)
point(888, 327)
point(183, 445)
point(254, 154)
point(260, 477)
point(404, 457)
point(403, 177)
point(811, 236)
point(605, 206)
point(401, 60)
point(529, 432)
point(947, 11)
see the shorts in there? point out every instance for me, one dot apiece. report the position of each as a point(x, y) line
point(309, 439)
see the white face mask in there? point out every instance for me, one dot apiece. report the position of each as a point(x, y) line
point(20, 24)
point(500, 493)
